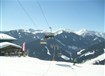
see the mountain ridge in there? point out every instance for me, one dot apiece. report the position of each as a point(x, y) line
point(65, 43)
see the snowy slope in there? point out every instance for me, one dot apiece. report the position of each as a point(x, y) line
point(97, 59)
point(14, 66)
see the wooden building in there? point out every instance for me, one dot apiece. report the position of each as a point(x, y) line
point(7, 48)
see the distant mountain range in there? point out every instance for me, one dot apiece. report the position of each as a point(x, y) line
point(65, 46)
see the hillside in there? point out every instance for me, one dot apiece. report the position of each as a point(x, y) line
point(95, 52)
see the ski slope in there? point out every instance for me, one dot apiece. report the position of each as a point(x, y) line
point(97, 59)
point(27, 66)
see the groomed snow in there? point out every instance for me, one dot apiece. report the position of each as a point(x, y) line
point(26, 66)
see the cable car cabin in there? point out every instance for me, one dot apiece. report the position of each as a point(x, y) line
point(49, 35)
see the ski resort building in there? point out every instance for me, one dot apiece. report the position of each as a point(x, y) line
point(7, 48)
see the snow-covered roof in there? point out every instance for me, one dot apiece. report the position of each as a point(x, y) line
point(6, 44)
point(6, 37)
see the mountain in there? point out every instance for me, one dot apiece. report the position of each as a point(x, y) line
point(65, 44)
point(94, 54)
point(84, 33)
point(91, 37)
point(24, 35)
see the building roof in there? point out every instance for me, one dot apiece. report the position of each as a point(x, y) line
point(6, 37)
point(6, 44)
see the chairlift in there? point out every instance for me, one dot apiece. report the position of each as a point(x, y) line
point(49, 35)
point(43, 42)
point(46, 37)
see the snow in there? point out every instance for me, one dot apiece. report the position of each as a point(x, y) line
point(65, 57)
point(5, 36)
point(34, 36)
point(19, 33)
point(48, 51)
point(95, 38)
point(84, 32)
point(89, 53)
point(99, 58)
point(65, 36)
point(26, 66)
point(58, 32)
point(6, 44)
point(78, 53)
point(60, 42)
point(61, 30)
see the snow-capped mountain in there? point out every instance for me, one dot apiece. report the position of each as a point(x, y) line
point(66, 43)
point(24, 35)
point(33, 31)
point(84, 32)
point(59, 31)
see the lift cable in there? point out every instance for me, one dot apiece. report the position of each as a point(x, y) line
point(26, 13)
point(44, 16)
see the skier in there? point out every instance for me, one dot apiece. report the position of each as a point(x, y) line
point(74, 61)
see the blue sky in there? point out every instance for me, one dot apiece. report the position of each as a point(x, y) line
point(68, 14)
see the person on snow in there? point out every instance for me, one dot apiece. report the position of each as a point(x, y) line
point(74, 61)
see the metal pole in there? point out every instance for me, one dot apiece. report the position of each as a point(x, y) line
point(54, 52)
